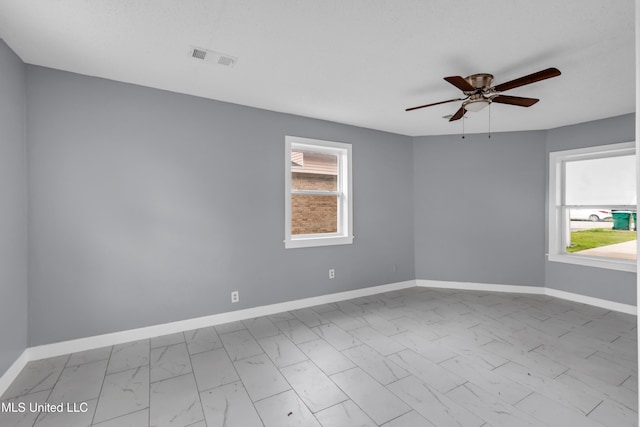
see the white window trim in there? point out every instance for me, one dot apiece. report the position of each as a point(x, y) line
point(344, 236)
point(556, 166)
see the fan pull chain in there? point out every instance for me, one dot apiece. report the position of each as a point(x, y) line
point(463, 127)
point(489, 136)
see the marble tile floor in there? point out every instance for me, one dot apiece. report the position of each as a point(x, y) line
point(410, 358)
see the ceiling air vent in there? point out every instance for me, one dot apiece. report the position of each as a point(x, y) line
point(199, 54)
point(211, 57)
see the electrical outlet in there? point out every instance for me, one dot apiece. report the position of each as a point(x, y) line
point(332, 273)
point(235, 296)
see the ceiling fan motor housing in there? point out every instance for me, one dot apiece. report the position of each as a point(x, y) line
point(480, 82)
point(477, 99)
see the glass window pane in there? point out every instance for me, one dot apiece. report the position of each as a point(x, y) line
point(314, 171)
point(602, 232)
point(314, 214)
point(605, 181)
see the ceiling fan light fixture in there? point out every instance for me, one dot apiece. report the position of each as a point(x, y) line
point(476, 105)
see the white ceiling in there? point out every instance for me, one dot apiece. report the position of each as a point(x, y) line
point(360, 62)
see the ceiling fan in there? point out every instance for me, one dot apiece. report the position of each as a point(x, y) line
point(479, 92)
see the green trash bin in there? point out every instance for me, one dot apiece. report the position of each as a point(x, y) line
point(635, 223)
point(621, 220)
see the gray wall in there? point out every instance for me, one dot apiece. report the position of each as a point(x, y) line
point(149, 207)
point(479, 213)
point(618, 286)
point(13, 219)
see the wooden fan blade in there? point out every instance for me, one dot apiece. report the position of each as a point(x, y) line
point(435, 103)
point(515, 100)
point(458, 115)
point(460, 83)
point(531, 78)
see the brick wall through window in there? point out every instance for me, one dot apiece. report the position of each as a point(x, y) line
point(313, 214)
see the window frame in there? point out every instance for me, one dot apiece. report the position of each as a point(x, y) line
point(344, 193)
point(557, 209)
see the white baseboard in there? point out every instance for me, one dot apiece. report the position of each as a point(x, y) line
point(603, 303)
point(488, 287)
point(81, 344)
point(10, 375)
point(537, 290)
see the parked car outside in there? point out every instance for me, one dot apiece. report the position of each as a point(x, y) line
point(589, 214)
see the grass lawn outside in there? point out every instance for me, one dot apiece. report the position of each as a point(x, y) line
point(596, 237)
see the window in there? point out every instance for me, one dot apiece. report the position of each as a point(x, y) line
point(318, 206)
point(593, 206)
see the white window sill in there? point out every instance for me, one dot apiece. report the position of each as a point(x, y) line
point(307, 242)
point(609, 263)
